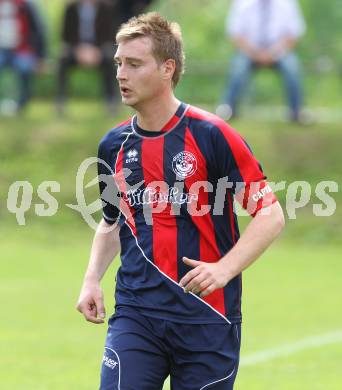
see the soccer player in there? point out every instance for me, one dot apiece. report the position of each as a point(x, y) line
point(173, 171)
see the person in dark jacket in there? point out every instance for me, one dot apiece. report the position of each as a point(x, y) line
point(130, 8)
point(88, 33)
point(22, 44)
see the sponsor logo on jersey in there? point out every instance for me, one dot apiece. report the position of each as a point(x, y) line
point(110, 363)
point(151, 196)
point(184, 164)
point(132, 156)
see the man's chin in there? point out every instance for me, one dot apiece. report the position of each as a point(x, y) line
point(130, 102)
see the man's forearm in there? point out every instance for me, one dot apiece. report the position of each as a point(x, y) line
point(244, 45)
point(106, 245)
point(257, 237)
point(207, 277)
point(281, 47)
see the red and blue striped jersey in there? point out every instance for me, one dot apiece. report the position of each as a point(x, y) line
point(173, 196)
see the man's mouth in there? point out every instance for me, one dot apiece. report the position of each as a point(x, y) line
point(125, 90)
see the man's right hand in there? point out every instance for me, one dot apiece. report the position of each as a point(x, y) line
point(88, 55)
point(90, 303)
point(263, 58)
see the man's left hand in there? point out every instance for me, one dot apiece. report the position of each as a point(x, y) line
point(204, 278)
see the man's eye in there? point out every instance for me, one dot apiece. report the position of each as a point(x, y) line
point(133, 65)
point(117, 64)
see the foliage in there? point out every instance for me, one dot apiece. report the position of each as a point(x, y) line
point(208, 51)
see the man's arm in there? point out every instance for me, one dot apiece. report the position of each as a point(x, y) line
point(105, 247)
point(247, 47)
point(280, 48)
point(258, 55)
point(258, 236)
point(265, 56)
point(38, 30)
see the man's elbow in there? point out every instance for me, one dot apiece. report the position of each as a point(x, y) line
point(273, 217)
point(278, 218)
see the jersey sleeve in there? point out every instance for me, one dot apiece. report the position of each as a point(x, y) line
point(109, 193)
point(235, 160)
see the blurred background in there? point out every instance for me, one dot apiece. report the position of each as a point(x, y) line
point(52, 116)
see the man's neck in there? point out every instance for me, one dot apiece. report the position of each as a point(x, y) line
point(154, 115)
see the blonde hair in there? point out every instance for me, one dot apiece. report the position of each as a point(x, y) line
point(166, 39)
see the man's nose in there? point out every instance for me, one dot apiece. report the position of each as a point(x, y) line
point(121, 73)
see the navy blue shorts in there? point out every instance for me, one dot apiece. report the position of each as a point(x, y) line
point(141, 352)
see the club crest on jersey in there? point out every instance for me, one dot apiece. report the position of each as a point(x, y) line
point(132, 156)
point(184, 164)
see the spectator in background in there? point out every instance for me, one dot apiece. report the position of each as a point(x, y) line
point(22, 44)
point(88, 35)
point(265, 33)
point(129, 8)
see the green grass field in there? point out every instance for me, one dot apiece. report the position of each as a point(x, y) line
point(292, 332)
point(291, 294)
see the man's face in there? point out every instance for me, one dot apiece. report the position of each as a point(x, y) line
point(141, 79)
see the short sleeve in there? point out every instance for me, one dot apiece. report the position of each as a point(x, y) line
point(234, 22)
point(109, 192)
point(296, 25)
point(234, 157)
point(235, 160)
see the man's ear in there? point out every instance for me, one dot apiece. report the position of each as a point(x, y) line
point(168, 69)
